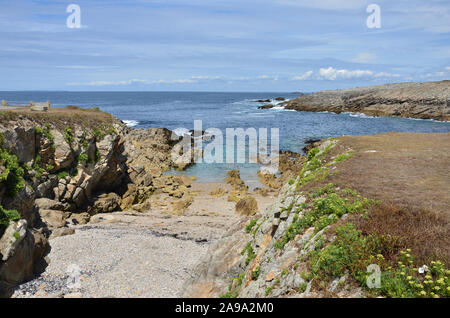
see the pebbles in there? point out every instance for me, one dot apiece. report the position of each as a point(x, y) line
point(115, 260)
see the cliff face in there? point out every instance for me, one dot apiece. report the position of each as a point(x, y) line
point(61, 167)
point(430, 100)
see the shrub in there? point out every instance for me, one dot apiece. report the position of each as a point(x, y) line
point(12, 175)
point(62, 174)
point(6, 216)
point(255, 273)
point(68, 135)
point(83, 157)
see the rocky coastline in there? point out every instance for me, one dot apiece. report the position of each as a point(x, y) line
point(79, 186)
point(62, 167)
point(428, 100)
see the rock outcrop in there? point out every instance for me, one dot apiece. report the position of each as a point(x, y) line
point(429, 100)
point(62, 169)
point(262, 256)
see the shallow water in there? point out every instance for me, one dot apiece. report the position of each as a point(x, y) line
point(227, 110)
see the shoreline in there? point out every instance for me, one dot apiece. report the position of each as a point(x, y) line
point(427, 100)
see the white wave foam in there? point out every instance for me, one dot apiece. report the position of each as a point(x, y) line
point(359, 115)
point(182, 131)
point(131, 123)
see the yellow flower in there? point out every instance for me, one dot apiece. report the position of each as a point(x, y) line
point(409, 277)
point(423, 293)
point(408, 250)
point(419, 286)
point(437, 288)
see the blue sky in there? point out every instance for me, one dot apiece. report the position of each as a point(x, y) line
point(221, 45)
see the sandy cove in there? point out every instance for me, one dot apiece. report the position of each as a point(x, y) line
point(134, 254)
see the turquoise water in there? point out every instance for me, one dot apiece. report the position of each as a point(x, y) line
point(226, 110)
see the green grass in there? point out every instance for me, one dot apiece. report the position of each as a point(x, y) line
point(234, 292)
point(250, 226)
point(250, 253)
point(324, 207)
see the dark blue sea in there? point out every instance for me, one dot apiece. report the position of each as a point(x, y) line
point(175, 110)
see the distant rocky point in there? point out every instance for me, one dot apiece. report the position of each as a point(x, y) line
point(428, 100)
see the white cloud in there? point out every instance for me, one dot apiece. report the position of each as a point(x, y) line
point(384, 74)
point(333, 74)
point(364, 57)
point(303, 76)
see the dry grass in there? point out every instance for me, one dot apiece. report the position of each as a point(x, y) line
point(60, 117)
point(409, 175)
point(426, 233)
point(406, 169)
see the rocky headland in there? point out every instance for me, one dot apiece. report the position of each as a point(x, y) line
point(428, 100)
point(62, 167)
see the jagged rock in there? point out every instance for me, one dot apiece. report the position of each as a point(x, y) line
point(80, 218)
point(64, 156)
point(23, 202)
point(105, 203)
point(53, 218)
point(26, 261)
point(45, 189)
point(20, 139)
point(12, 237)
point(49, 204)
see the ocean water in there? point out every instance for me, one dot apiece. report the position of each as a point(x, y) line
point(176, 110)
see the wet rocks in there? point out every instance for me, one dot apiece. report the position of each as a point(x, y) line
point(267, 106)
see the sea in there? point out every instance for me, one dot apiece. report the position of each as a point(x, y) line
point(178, 110)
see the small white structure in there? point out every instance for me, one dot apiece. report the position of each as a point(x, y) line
point(40, 106)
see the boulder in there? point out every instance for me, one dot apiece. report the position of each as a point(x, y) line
point(53, 218)
point(24, 261)
point(105, 203)
point(49, 204)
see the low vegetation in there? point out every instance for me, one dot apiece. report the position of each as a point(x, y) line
point(6, 217)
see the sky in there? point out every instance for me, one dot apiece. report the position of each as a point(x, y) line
point(221, 45)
